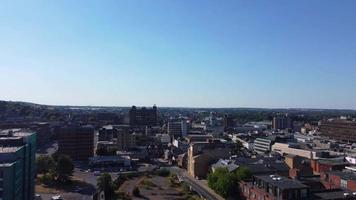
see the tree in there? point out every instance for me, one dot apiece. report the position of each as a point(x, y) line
point(64, 168)
point(223, 182)
point(106, 184)
point(44, 164)
point(243, 173)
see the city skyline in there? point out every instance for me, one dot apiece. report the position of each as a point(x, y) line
point(179, 53)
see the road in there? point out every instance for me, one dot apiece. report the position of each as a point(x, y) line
point(196, 185)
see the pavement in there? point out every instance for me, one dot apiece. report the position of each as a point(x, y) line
point(199, 186)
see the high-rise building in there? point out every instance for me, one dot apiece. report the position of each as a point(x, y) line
point(281, 123)
point(76, 142)
point(143, 116)
point(177, 128)
point(17, 164)
point(228, 121)
point(125, 139)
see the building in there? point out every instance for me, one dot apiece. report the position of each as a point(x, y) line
point(76, 142)
point(125, 140)
point(325, 165)
point(143, 116)
point(17, 164)
point(299, 166)
point(285, 148)
point(198, 138)
point(203, 154)
point(274, 187)
point(339, 129)
point(281, 123)
point(177, 128)
point(107, 133)
point(228, 121)
point(262, 145)
point(345, 179)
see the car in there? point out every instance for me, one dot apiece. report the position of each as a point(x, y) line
point(96, 173)
point(38, 197)
point(56, 197)
point(77, 189)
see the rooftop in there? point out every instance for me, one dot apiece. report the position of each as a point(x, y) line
point(282, 182)
point(348, 175)
point(9, 149)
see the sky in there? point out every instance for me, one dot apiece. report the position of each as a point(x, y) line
point(179, 53)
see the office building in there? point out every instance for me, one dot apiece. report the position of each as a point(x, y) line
point(76, 142)
point(143, 116)
point(262, 145)
point(177, 128)
point(228, 121)
point(17, 164)
point(281, 123)
point(125, 140)
point(107, 133)
point(339, 129)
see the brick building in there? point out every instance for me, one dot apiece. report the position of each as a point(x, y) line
point(273, 187)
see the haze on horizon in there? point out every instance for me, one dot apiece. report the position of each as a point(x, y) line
point(266, 54)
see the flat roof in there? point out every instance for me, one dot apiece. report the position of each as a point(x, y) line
point(9, 149)
point(334, 194)
point(282, 182)
point(348, 175)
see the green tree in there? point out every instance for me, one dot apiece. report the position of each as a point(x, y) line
point(106, 184)
point(44, 164)
point(243, 173)
point(223, 182)
point(64, 168)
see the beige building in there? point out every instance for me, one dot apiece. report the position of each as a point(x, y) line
point(202, 154)
point(283, 149)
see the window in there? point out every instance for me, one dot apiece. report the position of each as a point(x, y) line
point(304, 193)
point(343, 183)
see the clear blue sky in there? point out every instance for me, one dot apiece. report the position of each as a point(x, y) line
point(197, 53)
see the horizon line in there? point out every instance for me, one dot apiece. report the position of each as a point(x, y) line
point(185, 107)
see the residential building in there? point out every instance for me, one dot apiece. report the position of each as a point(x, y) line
point(76, 142)
point(274, 187)
point(17, 164)
point(143, 116)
